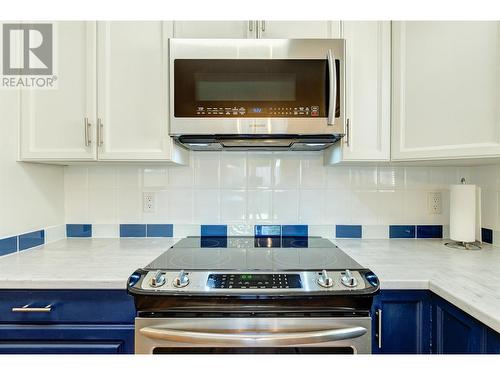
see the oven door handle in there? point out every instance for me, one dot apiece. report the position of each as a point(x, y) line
point(254, 339)
point(332, 87)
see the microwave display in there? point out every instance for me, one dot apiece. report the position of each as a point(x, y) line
point(252, 87)
point(245, 87)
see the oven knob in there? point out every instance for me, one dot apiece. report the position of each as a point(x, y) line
point(348, 279)
point(324, 280)
point(181, 280)
point(157, 280)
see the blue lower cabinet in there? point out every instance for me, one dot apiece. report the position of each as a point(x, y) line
point(492, 342)
point(73, 322)
point(66, 339)
point(401, 322)
point(456, 332)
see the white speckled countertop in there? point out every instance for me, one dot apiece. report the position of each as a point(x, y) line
point(468, 279)
point(80, 263)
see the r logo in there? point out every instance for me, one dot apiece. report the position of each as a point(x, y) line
point(27, 49)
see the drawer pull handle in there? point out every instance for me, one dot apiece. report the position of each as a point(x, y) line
point(27, 308)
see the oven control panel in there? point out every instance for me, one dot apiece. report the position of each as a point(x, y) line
point(300, 111)
point(265, 282)
point(254, 281)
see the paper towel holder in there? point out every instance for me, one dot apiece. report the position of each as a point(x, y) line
point(461, 245)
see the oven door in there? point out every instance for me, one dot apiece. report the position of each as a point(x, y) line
point(256, 86)
point(307, 335)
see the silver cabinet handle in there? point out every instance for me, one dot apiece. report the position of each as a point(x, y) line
point(87, 126)
point(100, 127)
point(27, 308)
point(347, 133)
point(332, 87)
point(263, 26)
point(379, 328)
point(250, 25)
point(258, 339)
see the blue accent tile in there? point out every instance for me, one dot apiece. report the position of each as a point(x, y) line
point(267, 230)
point(402, 231)
point(78, 230)
point(213, 230)
point(487, 235)
point(294, 231)
point(348, 231)
point(31, 239)
point(8, 245)
point(132, 230)
point(429, 231)
point(160, 230)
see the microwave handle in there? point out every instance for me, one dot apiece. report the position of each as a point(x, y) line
point(332, 87)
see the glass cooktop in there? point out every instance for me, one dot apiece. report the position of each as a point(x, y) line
point(254, 253)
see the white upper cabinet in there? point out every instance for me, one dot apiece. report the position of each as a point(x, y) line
point(112, 76)
point(298, 29)
point(446, 97)
point(368, 94)
point(53, 121)
point(132, 65)
point(215, 29)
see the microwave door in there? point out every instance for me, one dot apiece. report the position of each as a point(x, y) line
point(279, 95)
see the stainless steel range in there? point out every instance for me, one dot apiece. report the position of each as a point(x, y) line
point(253, 295)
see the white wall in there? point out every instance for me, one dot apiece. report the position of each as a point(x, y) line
point(248, 188)
point(31, 196)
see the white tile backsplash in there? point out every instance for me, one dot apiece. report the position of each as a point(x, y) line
point(105, 230)
point(233, 170)
point(260, 170)
point(286, 171)
point(259, 209)
point(286, 206)
point(246, 188)
point(207, 206)
point(312, 206)
point(206, 170)
point(233, 206)
point(55, 233)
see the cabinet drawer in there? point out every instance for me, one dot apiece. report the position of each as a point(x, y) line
point(66, 306)
point(66, 339)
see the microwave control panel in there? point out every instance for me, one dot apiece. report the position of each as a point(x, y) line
point(302, 111)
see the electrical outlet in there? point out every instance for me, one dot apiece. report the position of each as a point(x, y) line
point(434, 203)
point(148, 202)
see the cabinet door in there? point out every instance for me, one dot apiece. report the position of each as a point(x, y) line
point(215, 29)
point(53, 120)
point(492, 342)
point(298, 29)
point(401, 322)
point(133, 91)
point(453, 331)
point(368, 93)
point(66, 339)
point(445, 90)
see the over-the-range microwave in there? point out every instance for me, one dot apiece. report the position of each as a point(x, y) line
point(253, 94)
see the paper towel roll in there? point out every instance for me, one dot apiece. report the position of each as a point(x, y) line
point(465, 213)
